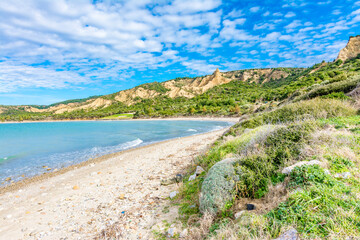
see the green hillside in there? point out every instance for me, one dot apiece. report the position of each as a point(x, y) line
point(232, 99)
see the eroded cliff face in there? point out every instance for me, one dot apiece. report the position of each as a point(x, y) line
point(186, 87)
point(351, 50)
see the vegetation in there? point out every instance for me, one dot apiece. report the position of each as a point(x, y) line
point(311, 114)
point(119, 116)
point(331, 80)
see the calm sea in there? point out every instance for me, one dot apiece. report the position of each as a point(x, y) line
point(26, 148)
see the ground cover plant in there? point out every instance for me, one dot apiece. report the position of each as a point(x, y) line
point(319, 201)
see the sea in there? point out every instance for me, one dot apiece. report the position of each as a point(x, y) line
point(29, 149)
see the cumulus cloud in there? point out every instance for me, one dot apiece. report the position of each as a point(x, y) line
point(254, 9)
point(20, 76)
point(69, 44)
point(290, 15)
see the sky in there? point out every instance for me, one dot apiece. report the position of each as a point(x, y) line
point(57, 50)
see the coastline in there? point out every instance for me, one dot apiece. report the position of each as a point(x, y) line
point(225, 119)
point(82, 199)
point(46, 175)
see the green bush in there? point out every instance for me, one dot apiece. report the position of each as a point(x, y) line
point(342, 86)
point(306, 175)
point(258, 170)
point(311, 109)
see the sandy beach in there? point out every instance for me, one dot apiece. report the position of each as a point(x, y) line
point(122, 188)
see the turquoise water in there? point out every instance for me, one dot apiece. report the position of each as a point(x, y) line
point(25, 148)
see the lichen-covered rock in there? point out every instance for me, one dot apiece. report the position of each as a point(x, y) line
point(218, 186)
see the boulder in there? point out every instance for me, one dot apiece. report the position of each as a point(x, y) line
point(173, 194)
point(344, 175)
point(171, 232)
point(218, 187)
point(184, 233)
point(289, 169)
point(291, 234)
point(199, 170)
point(192, 177)
point(239, 214)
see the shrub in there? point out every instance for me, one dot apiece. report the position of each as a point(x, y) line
point(310, 109)
point(309, 174)
point(342, 86)
point(257, 169)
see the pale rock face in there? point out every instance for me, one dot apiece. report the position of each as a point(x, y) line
point(187, 87)
point(351, 50)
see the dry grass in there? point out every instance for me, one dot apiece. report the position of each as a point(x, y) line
point(329, 142)
point(113, 232)
point(200, 232)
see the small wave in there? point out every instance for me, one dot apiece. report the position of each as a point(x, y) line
point(191, 130)
point(132, 144)
point(217, 128)
point(4, 159)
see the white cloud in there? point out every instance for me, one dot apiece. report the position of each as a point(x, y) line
point(254, 9)
point(293, 25)
point(274, 36)
point(13, 77)
point(268, 26)
point(278, 14)
point(126, 34)
point(290, 15)
point(336, 12)
point(324, 3)
point(294, 3)
point(231, 31)
point(199, 66)
point(235, 13)
point(267, 13)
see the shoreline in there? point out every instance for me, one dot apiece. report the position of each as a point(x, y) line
point(46, 175)
point(80, 201)
point(225, 119)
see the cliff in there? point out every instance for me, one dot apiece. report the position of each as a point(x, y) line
point(183, 87)
point(351, 50)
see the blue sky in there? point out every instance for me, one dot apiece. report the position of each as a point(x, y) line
point(57, 50)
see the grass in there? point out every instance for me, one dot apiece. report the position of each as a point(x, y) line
point(332, 88)
point(319, 205)
point(310, 109)
point(325, 208)
point(119, 116)
point(342, 122)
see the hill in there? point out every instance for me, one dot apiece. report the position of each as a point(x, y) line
point(288, 170)
point(222, 93)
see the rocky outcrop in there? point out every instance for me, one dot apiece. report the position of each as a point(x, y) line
point(185, 87)
point(351, 50)
point(257, 75)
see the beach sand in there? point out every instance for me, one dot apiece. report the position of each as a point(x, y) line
point(122, 188)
